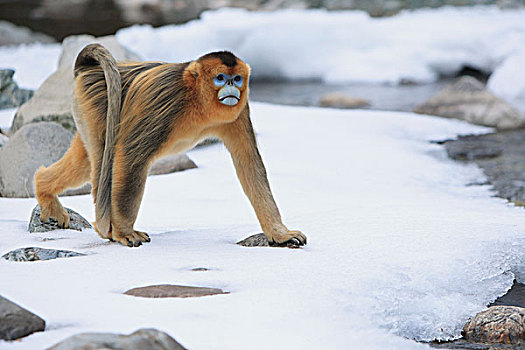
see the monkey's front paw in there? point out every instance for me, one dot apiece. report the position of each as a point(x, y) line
point(134, 239)
point(290, 239)
point(53, 209)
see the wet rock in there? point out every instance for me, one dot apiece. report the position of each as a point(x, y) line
point(16, 322)
point(172, 291)
point(505, 172)
point(498, 324)
point(468, 99)
point(170, 164)
point(471, 148)
point(36, 253)
point(143, 339)
point(340, 100)
point(76, 222)
point(260, 240)
point(10, 94)
point(52, 100)
point(11, 34)
point(32, 146)
point(515, 296)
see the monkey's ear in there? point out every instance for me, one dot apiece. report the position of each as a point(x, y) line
point(191, 73)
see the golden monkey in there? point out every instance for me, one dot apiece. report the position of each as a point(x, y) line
point(129, 114)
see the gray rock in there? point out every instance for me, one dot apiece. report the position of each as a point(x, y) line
point(76, 222)
point(471, 148)
point(260, 240)
point(32, 146)
point(468, 99)
point(498, 324)
point(11, 34)
point(52, 100)
point(506, 171)
point(16, 322)
point(171, 164)
point(10, 94)
point(341, 100)
point(36, 253)
point(172, 291)
point(143, 339)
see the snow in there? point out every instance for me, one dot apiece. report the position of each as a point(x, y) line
point(399, 246)
point(508, 81)
point(345, 46)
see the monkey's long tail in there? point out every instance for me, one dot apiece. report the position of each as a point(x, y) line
point(94, 55)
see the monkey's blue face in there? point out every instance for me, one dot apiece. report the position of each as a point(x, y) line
point(229, 93)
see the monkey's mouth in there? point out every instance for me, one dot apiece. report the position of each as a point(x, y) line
point(229, 95)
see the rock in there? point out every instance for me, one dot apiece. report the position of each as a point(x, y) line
point(36, 253)
point(498, 324)
point(471, 148)
point(10, 94)
point(505, 172)
point(170, 164)
point(31, 147)
point(16, 322)
point(143, 339)
point(468, 99)
point(260, 240)
point(76, 222)
point(340, 100)
point(52, 100)
point(11, 34)
point(172, 291)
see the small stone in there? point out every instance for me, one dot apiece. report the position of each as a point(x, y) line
point(171, 164)
point(173, 291)
point(200, 269)
point(36, 253)
point(76, 222)
point(143, 339)
point(498, 324)
point(260, 240)
point(16, 322)
point(341, 100)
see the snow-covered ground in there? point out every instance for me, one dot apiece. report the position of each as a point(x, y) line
point(399, 245)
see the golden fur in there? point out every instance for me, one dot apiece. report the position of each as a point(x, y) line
point(154, 109)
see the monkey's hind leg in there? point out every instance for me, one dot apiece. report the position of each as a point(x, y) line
point(127, 190)
point(72, 170)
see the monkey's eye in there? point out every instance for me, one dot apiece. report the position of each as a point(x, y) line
point(219, 80)
point(237, 80)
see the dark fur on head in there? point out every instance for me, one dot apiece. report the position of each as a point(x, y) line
point(226, 57)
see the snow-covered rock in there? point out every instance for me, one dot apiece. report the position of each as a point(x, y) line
point(468, 99)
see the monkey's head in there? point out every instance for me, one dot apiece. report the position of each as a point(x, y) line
point(221, 78)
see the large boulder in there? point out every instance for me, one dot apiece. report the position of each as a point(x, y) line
point(144, 339)
point(16, 322)
point(52, 100)
point(468, 99)
point(11, 34)
point(32, 146)
point(10, 94)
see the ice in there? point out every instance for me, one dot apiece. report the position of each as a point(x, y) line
point(345, 46)
point(400, 247)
